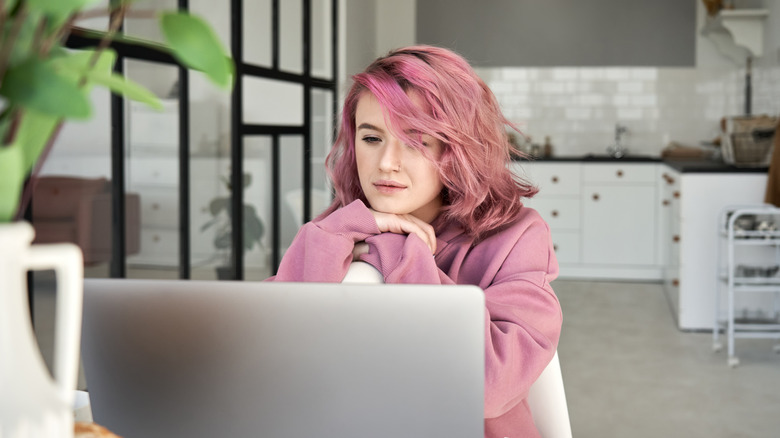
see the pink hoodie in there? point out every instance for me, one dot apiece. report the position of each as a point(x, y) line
point(514, 267)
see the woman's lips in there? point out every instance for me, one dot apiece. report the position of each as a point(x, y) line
point(388, 187)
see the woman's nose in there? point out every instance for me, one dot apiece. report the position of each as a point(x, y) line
point(390, 161)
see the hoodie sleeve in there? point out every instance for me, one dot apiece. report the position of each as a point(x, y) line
point(322, 250)
point(522, 314)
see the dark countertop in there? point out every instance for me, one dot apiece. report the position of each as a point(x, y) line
point(684, 166)
point(708, 166)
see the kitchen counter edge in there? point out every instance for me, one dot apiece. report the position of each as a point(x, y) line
point(683, 166)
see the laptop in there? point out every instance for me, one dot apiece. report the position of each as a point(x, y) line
point(178, 358)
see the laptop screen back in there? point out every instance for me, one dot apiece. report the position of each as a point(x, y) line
point(169, 358)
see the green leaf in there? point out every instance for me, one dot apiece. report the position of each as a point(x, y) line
point(33, 134)
point(11, 181)
point(22, 47)
point(76, 64)
point(196, 45)
point(36, 85)
point(58, 8)
point(121, 85)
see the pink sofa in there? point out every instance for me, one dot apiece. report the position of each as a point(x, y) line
point(78, 210)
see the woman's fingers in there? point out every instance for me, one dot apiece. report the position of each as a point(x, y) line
point(406, 224)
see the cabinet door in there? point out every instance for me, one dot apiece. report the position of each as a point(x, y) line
point(567, 246)
point(619, 224)
point(552, 179)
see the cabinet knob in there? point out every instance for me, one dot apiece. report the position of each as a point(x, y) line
point(676, 195)
point(554, 179)
point(670, 180)
point(596, 196)
point(676, 238)
point(555, 247)
point(554, 213)
point(619, 173)
point(155, 206)
point(666, 202)
point(675, 282)
point(156, 238)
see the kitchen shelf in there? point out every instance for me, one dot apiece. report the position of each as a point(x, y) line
point(746, 27)
point(733, 237)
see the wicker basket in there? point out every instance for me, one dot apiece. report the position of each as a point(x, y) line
point(747, 141)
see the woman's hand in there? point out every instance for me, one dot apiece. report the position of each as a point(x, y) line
point(406, 224)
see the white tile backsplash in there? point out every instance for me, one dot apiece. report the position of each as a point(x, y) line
point(579, 107)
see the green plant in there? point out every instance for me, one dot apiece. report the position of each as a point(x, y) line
point(42, 84)
point(220, 210)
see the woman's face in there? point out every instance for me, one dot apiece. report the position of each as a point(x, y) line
point(395, 178)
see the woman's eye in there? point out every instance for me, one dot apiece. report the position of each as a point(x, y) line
point(371, 139)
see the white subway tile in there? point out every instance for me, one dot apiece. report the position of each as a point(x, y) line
point(629, 114)
point(630, 87)
point(578, 113)
point(523, 113)
point(522, 87)
point(501, 87)
point(592, 73)
point(564, 74)
point(621, 100)
point(617, 73)
point(646, 74)
point(515, 74)
point(551, 87)
point(644, 100)
point(591, 99)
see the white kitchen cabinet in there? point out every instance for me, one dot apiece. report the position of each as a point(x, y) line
point(669, 232)
point(618, 214)
point(602, 217)
point(619, 224)
point(702, 198)
point(558, 202)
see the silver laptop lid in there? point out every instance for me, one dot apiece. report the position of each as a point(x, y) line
point(210, 359)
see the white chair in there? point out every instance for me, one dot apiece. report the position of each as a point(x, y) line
point(362, 272)
point(546, 398)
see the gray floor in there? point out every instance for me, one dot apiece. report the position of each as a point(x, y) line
point(629, 372)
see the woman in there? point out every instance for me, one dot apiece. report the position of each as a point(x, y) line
point(423, 193)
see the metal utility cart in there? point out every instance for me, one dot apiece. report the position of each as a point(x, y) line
point(750, 236)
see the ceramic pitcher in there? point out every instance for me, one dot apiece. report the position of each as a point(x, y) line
point(32, 404)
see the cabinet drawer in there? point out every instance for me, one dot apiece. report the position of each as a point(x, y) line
point(552, 179)
point(158, 247)
point(619, 173)
point(160, 208)
point(558, 213)
point(153, 171)
point(567, 246)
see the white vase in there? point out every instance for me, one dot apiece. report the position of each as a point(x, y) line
point(32, 404)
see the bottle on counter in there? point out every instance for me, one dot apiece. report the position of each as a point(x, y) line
point(536, 150)
point(548, 148)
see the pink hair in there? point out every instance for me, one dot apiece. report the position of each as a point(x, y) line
point(481, 193)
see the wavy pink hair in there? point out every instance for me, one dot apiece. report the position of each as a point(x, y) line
point(456, 107)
